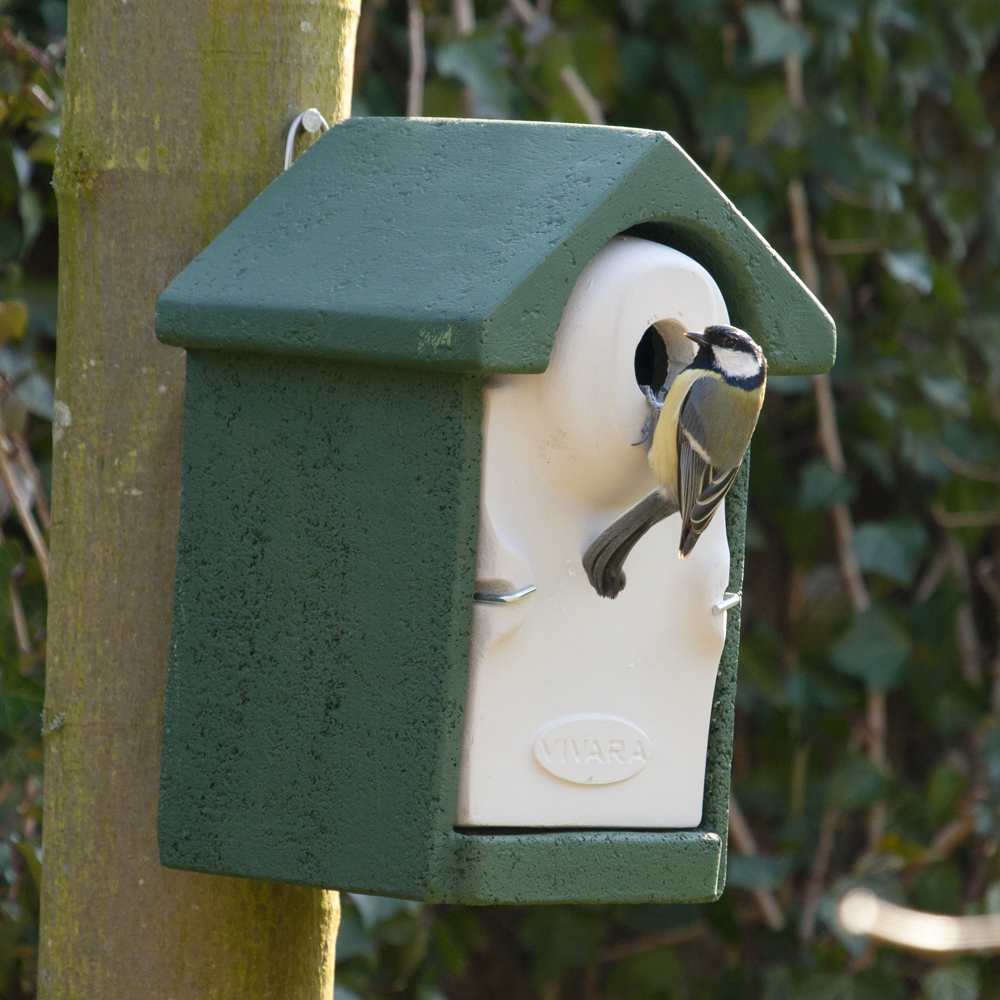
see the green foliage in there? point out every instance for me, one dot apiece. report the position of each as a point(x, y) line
point(958, 981)
point(891, 547)
point(31, 50)
point(856, 783)
point(896, 146)
point(939, 889)
point(874, 648)
point(387, 945)
point(945, 785)
point(820, 486)
point(758, 872)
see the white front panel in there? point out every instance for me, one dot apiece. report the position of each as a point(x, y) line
point(583, 711)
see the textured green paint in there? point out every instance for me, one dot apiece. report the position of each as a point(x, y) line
point(320, 650)
point(338, 331)
point(173, 121)
point(455, 245)
point(720, 733)
point(324, 595)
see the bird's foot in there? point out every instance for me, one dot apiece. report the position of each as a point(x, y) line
point(655, 405)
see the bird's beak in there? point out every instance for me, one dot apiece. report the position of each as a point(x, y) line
point(698, 338)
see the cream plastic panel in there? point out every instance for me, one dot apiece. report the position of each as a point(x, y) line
point(581, 711)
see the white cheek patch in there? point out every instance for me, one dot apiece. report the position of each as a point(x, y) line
point(736, 364)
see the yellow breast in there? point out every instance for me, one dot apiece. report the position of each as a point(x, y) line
point(663, 451)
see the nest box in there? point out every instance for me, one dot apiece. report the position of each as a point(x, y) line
point(413, 370)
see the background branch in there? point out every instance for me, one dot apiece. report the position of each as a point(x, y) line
point(418, 59)
point(742, 836)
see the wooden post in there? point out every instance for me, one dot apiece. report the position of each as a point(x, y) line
point(174, 120)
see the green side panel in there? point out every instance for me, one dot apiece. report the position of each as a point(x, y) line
point(718, 772)
point(322, 607)
point(454, 244)
point(624, 866)
point(318, 668)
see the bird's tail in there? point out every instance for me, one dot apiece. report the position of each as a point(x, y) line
point(604, 559)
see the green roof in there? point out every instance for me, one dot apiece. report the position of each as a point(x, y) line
point(455, 244)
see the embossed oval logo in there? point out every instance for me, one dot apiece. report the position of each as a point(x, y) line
point(592, 749)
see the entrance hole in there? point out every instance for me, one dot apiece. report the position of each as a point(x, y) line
point(651, 360)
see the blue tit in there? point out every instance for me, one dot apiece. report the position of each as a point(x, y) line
point(701, 435)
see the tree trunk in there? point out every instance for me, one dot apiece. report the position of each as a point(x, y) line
point(174, 119)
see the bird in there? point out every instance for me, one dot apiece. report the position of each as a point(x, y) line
point(702, 431)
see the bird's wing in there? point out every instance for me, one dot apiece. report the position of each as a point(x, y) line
point(703, 488)
point(703, 484)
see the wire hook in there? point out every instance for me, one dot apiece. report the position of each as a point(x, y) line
point(730, 600)
point(312, 121)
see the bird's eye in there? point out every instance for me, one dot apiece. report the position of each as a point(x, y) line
point(730, 342)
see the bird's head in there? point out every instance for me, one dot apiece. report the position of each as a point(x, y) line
point(732, 353)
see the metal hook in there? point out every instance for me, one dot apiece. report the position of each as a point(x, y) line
point(480, 598)
point(312, 121)
point(727, 602)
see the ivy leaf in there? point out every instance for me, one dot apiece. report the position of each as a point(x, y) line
point(757, 872)
point(13, 320)
point(32, 215)
point(939, 889)
point(909, 267)
point(10, 240)
point(991, 753)
point(53, 13)
point(856, 783)
point(560, 938)
point(375, 910)
point(767, 104)
point(883, 160)
point(37, 394)
point(655, 971)
point(877, 984)
point(352, 938)
point(991, 898)
point(772, 38)
point(984, 332)
point(840, 12)
point(944, 787)
point(31, 855)
point(479, 64)
point(789, 385)
point(955, 713)
point(891, 548)
point(956, 981)
point(873, 649)
point(827, 986)
point(779, 983)
point(14, 363)
point(8, 560)
point(43, 149)
point(820, 486)
point(920, 450)
point(16, 686)
point(879, 461)
point(948, 393)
